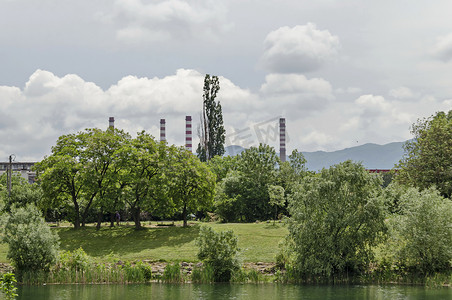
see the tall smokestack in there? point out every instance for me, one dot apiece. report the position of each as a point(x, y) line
point(188, 136)
point(111, 122)
point(162, 130)
point(282, 139)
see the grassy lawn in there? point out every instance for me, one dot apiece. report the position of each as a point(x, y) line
point(258, 242)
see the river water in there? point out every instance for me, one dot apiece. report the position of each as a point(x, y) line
point(229, 291)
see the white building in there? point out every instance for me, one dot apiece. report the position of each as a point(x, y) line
point(23, 167)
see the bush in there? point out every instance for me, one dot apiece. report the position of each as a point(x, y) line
point(420, 236)
point(32, 246)
point(336, 219)
point(76, 260)
point(8, 285)
point(219, 251)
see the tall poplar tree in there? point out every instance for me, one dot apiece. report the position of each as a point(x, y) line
point(212, 132)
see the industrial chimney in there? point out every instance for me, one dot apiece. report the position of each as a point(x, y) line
point(162, 130)
point(188, 135)
point(111, 122)
point(282, 139)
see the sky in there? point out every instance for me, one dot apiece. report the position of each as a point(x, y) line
point(341, 72)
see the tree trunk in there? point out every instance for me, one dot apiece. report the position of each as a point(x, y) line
point(77, 214)
point(184, 213)
point(112, 219)
point(136, 217)
point(99, 219)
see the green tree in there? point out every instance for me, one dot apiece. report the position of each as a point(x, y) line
point(219, 251)
point(420, 234)
point(22, 192)
point(82, 170)
point(229, 204)
point(146, 186)
point(212, 132)
point(32, 246)
point(277, 198)
point(191, 183)
point(62, 177)
point(221, 165)
point(102, 159)
point(428, 157)
point(258, 169)
point(336, 218)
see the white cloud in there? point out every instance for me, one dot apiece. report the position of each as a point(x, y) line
point(443, 48)
point(402, 93)
point(294, 94)
point(168, 19)
point(48, 106)
point(298, 49)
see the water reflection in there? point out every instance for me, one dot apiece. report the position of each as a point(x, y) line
point(228, 291)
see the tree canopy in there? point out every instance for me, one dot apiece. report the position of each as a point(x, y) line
point(212, 132)
point(336, 218)
point(428, 156)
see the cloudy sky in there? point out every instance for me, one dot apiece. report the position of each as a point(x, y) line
point(342, 72)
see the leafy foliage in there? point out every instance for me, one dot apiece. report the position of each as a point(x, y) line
point(191, 183)
point(420, 235)
point(428, 157)
point(219, 251)
point(8, 285)
point(212, 135)
point(22, 193)
point(336, 217)
point(257, 169)
point(32, 246)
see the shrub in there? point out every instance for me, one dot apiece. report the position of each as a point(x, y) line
point(336, 219)
point(32, 246)
point(8, 285)
point(76, 260)
point(421, 234)
point(219, 251)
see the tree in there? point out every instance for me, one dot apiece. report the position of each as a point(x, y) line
point(82, 170)
point(258, 169)
point(428, 157)
point(102, 161)
point(277, 198)
point(212, 132)
point(243, 194)
point(191, 183)
point(336, 218)
point(61, 176)
point(32, 246)
point(143, 176)
point(219, 251)
point(420, 234)
point(22, 192)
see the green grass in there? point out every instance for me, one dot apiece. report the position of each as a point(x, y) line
point(258, 242)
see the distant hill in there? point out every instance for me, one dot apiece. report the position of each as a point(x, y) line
point(372, 156)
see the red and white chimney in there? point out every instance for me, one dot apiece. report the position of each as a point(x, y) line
point(162, 130)
point(282, 139)
point(111, 122)
point(188, 134)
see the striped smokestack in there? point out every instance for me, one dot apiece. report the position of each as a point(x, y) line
point(111, 122)
point(188, 135)
point(162, 130)
point(282, 139)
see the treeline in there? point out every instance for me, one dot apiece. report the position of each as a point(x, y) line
point(343, 221)
point(96, 173)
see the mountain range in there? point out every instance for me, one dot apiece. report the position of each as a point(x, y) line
point(372, 156)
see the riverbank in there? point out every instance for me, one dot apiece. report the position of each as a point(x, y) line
point(165, 241)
